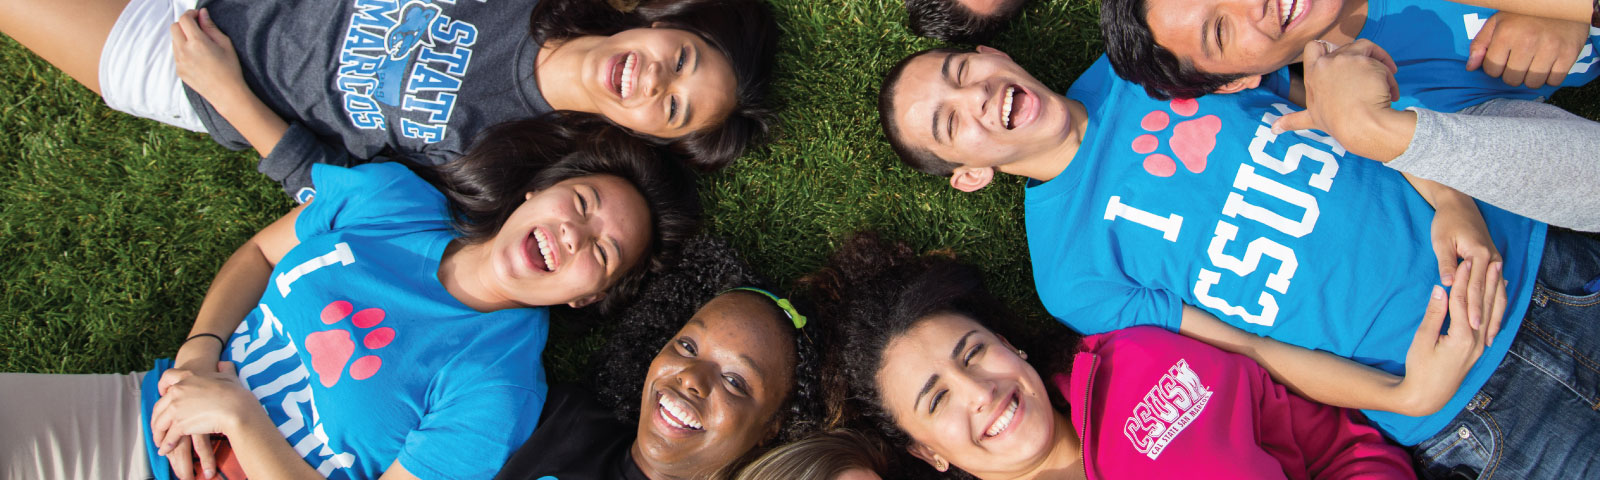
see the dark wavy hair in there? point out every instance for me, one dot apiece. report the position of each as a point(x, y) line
point(951, 21)
point(1135, 56)
point(913, 156)
point(508, 160)
point(743, 30)
point(876, 291)
point(708, 266)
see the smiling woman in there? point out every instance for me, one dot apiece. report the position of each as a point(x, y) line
point(736, 375)
point(309, 81)
point(925, 358)
point(377, 314)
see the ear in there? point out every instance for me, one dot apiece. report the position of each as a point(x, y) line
point(657, 24)
point(917, 449)
point(527, 196)
point(971, 179)
point(991, 50)
point(586, 300)
point(1239, 84)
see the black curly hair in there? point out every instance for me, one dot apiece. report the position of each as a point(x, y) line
point(708, 266)
point(952, 21)
point(743, 30)
point(510, 159)
point(875, 291)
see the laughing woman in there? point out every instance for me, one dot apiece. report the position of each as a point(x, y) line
point(344, 81)
point(924, 352)
point(741, 372)
point(387, 329)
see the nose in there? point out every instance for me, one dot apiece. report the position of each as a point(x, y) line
point(692, 379)
point(573, 235)
point(980, 393)
point(652, 79)
point(976, 99)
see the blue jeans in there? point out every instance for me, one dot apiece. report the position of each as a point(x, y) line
point(1538, 416)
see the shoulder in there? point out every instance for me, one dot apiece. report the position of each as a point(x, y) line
point(374, 193)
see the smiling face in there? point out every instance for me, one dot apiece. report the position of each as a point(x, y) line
point(569, 243)
point(1247, 37)
point(711, 394)
point(978, 109)
point(662, 82)
point(964, 395)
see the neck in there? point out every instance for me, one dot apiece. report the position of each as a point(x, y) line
point(1352, 16)
point(653, 472)
point(1048, 163)
point(464, 270)
point(1065, 460)
point(559, 70)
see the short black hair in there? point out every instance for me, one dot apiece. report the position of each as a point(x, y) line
point(1135, 55)
point(951, 21)
point(915, 157)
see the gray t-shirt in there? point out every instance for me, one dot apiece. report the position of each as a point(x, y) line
point(357, 79)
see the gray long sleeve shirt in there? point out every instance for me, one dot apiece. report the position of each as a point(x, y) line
point(357, 79)
point(1530, 158)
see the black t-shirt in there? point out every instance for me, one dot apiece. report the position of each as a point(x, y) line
point(577, 439)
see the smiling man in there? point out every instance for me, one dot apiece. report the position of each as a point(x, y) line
point(1195, 216)
point(1189, 48)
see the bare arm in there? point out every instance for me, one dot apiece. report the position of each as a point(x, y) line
point(1435, 364)
point(208, 63)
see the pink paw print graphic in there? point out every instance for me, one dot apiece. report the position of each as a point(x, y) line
point(331, 349)
point(1192, 140)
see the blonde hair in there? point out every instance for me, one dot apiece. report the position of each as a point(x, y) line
point(821, 456)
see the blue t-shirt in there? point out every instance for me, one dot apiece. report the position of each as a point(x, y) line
point(361, 357)
point(1285, 236)
point(1429, 41)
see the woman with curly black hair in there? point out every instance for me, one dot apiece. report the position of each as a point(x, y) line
point(925, 354)
point(739, 374)
point(345, 81)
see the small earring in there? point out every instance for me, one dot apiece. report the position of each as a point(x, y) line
point(1022, 354)
point(941, 465)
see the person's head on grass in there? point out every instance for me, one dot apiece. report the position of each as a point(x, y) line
point(842, 454)
point(966, 21)
point(965, 114)
point(690, 75)
point(1189, 48)
point(566, 215)
point(709, 374)
point(925, 355)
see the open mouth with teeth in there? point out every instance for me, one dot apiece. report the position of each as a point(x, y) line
point(1018, 108)
point(676, 413)
point(540, 255)
point(622, 78)
point(1006, 417)
point(1288, 11)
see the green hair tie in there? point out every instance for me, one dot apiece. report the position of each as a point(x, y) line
point(782, 303)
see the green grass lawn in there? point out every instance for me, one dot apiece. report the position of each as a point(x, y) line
point(111, 227)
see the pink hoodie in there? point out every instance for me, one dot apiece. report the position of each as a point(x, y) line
point(1149, 403)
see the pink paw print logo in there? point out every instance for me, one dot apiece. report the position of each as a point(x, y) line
point(331, 349)
point(1192, 140)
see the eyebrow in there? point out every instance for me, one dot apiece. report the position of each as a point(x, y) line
point(1205, 35)
point(925, 388)
point(688, 113)
point(615, 246)
point(961, 345)
point(954, 353)
point(933, 124)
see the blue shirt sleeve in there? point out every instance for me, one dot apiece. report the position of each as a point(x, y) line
point(373, 193)
point(1097, 306)
point(471, 436)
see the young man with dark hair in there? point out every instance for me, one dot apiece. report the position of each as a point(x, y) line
point(965, 21)
point(1189, 48)
point(1195, 216)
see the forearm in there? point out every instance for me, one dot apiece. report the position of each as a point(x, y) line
point(1573, 10)
point(263, 452)
point(259, 125)
point(1383, 136)
point(1317, 375)
point(1530, 158)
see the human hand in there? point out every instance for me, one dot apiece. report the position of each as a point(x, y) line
point(1527, 50)
point(206, 59)
point(1348, 91)
point(194, 405)
point(1436, 363)
point(1459, 233)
